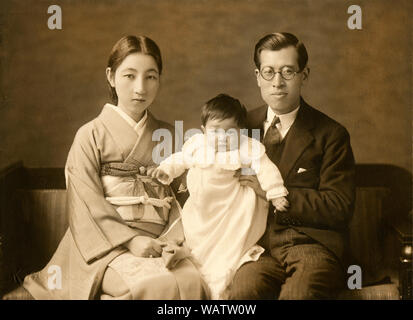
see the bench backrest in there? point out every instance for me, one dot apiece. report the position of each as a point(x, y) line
point(33, 217)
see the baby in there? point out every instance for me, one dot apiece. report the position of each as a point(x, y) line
point(222, 219)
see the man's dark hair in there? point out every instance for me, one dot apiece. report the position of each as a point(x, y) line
point(278, 41)
point(224, 107)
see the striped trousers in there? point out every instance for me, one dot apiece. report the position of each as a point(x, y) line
point(295, 267)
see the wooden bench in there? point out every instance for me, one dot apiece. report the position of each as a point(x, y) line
point(33, 220)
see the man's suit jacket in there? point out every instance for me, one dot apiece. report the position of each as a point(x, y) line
point(322, 196)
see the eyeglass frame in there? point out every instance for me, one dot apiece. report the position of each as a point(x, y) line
point(280, 72)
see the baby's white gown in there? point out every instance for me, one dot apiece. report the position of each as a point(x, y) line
point(223, 220)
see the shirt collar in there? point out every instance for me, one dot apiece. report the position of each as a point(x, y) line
point(286, 119)
point(137, 126)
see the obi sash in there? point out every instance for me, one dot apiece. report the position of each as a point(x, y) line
point(146, 205)
point(142, 202)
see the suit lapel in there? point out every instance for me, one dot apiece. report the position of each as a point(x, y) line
point(298, 139)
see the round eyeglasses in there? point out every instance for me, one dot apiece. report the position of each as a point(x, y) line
point(287, 73)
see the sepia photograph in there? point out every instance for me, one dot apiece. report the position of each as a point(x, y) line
point(206, 150)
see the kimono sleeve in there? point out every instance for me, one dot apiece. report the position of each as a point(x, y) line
point(96, 226)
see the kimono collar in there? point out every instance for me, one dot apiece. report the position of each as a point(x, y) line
point(135, 148)
point(139, 126)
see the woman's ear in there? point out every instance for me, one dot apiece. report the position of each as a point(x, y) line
point(110, 77)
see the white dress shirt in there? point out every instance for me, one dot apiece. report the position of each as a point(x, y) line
point(286, 121)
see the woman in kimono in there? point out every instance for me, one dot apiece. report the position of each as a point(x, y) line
point(124, 235)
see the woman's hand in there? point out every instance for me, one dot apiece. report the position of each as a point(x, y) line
point(252, 182)
point(142, 246)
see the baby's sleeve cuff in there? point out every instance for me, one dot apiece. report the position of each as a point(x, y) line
point(277, 192)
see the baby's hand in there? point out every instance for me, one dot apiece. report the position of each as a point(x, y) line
point(161, 175)
point(280, 204)
point(148, 170)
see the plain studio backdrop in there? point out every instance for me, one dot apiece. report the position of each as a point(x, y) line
point(53, 81)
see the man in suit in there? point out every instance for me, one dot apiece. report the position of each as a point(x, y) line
point(304, 245)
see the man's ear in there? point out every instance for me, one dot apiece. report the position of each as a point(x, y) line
point(257, 74)
point(110, 77)
point(306, 74)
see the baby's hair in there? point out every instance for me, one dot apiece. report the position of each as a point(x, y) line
point(126, 46)
point(224, 107)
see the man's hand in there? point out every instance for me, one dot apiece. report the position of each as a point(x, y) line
point(141, 246)
point(252, 182)
point(280, 204)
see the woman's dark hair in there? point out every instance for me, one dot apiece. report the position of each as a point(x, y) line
point(223, 107)
point(126, 46)
point(278, 41)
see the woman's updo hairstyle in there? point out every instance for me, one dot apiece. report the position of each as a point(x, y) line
point(126, 46)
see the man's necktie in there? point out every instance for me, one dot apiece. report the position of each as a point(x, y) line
point(272, 137)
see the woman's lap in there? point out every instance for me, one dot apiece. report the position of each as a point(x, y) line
point(129, 277)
